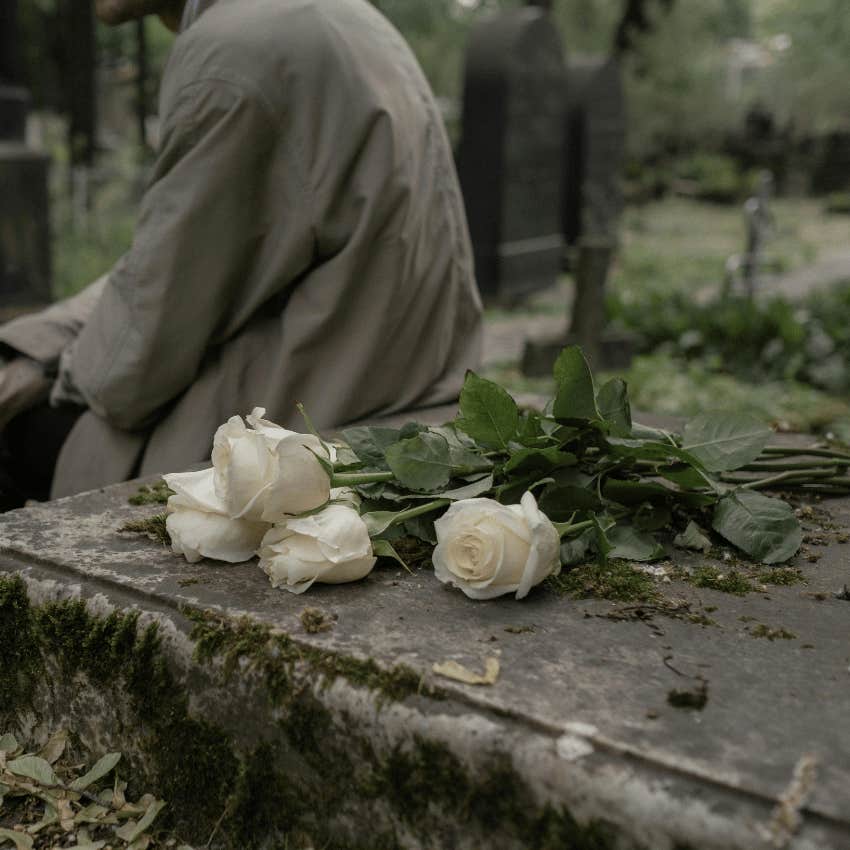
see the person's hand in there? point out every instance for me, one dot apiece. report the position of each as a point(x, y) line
point(23, 385)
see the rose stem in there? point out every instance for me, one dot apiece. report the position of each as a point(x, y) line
point(427, 508)
point(797, 477)
point(788, 452)
point(352, 479)
point(565, 528)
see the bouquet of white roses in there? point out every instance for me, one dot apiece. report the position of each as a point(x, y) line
point(506, 496)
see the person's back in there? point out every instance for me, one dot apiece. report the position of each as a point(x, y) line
point(303, 239)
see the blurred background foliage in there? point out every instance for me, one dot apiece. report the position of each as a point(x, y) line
point(716, 89)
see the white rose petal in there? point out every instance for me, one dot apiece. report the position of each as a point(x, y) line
point(265, 472)
point(300, 483)
point(245, 467)
point(271, 431)
point(330, 547)
point(195, 490)
point(196, 535)
point(199, 525)
point(488, 549)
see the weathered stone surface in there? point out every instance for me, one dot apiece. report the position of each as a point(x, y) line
point(346, 735)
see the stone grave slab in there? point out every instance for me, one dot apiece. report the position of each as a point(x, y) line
point(697, 719)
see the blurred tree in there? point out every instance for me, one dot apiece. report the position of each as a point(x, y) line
point(808, 82)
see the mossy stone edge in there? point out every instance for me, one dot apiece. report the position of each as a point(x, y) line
point(303, 773)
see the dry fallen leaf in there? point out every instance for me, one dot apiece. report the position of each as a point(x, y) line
point(453, 670)
point(52, 751)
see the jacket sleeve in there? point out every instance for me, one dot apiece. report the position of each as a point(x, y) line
point(44, 335)
point(201, 226)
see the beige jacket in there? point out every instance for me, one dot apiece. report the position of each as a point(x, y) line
point(303, 238)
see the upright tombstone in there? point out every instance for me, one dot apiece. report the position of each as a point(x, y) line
point(24, 222)
point(593, 149)
point(509, 157)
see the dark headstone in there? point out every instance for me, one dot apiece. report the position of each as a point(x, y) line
point(14, 108)
point(594, 150)
point(591, 207)
point(24, 229)
point(509, 158)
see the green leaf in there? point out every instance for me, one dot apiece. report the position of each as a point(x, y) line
point(575, 397)
point(101, 769)
point(487, 413)
point(385, 549)
point(33, 767)
point(612, 400)
point(8, 744)
point(369, 444)
point(764, 528)
point(632, 545)
point(693, 538)
point(634, 492)
point(559, 503)
point(377, 522)
point(19, 839)
point(469, 491)
point(539, 460)
point(421, 463)
point(422, 528)
point(130, 832)
point(683, 475)
point(725, 441)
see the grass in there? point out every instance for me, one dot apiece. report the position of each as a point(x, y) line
point(681, 246)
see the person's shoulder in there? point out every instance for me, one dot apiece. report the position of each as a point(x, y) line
point(254, 36)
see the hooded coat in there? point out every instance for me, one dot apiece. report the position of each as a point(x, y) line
point(302, 239)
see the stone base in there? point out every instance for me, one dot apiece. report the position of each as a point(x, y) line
point(615, 350)
point(230, 708)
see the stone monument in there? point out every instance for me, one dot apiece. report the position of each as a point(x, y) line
point(24, 223)
point(509, 156)
point(593, 148)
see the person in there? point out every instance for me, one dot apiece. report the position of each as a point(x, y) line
point(302, 239)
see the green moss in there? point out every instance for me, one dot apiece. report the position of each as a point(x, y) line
point(278, 656)
point(782, 576)
point(153, 527)
point(158, 494)
point(726, 582)
point(426, 775)
point(19, 658)
point(285, 790)
point(182, 754)
point(616, 580)
point(314, 620)
point(771, 634)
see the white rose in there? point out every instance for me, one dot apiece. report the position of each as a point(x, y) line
point(199, 525)
point(330, 547)
point(265, 472)
point(488, 549)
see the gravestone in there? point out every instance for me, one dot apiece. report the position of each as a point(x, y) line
point(593, 150)
point(509, 156)
point(24, 220)
point(14, 108)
